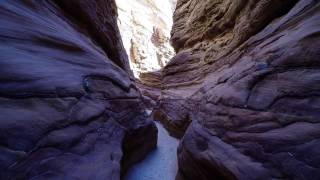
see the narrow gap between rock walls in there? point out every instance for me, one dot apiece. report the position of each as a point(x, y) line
point(145, 27)
point(161, 163)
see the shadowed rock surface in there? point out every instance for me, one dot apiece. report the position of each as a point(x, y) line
point(246, 78)
point(243, 91)
point(68, 107)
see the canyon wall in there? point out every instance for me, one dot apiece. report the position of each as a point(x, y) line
point(69, 109)
point(243, 90)
point(145, 29)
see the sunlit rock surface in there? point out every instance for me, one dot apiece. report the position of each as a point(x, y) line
point(242, 92)
point(68, 107)
point(145, 29)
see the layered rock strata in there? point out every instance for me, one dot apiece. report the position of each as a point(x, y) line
point(69, 109)
point(246, 78)
point(145, 29)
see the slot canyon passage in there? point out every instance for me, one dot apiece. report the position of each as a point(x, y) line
point(82, 83)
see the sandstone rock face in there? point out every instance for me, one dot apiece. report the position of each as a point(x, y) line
point(68, 107)
point(145, 29)
point(246, 78)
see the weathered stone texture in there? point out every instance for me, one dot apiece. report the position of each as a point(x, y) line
point(68, 107)
point(246, 76)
